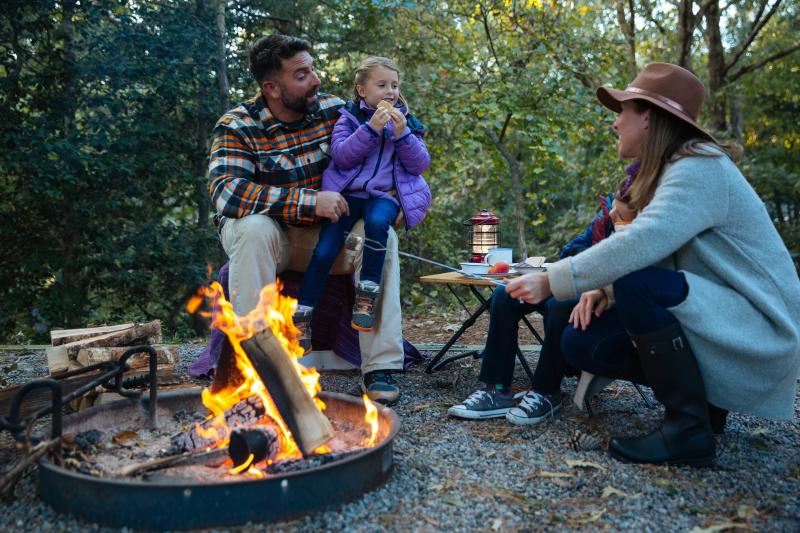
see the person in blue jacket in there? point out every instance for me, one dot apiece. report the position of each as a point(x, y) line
point(498, 357)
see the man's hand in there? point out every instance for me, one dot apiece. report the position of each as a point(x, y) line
point(591, 303)
point(331, 205)
point(531, 288)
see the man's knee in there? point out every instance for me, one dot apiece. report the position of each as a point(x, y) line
point(255, 229)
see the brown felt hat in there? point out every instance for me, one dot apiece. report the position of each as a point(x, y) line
point(670, 87)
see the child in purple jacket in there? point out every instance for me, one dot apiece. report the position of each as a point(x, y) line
point(378, 156)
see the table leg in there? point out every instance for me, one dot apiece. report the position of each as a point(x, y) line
point(484, 305)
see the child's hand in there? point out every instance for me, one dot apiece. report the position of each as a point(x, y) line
point(399, 122)
point(621, 212)
point(379, 119)
point(400, 219)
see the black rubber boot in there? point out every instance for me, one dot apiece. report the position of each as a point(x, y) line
point(684, 436)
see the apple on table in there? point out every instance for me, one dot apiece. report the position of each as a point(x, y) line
point(501, 267)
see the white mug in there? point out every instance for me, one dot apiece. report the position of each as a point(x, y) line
point(499, 254)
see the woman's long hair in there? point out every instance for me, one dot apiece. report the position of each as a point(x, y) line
point(668, 140)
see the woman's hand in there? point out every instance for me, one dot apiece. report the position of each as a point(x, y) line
point(379, 119)
point(591, 303)
point(531, 288)
point(399, 122)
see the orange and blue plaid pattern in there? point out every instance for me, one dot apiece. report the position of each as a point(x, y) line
point(259, 164)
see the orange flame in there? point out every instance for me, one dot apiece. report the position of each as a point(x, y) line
point(274, 311)
point(371, 417)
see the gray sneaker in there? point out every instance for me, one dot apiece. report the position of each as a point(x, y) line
point(534, 408)
point(482, 404)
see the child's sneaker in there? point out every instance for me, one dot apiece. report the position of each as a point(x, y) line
point(380, 386)
point(364, 308)
point(302, 321)
point(534, 408)
point(483, 404)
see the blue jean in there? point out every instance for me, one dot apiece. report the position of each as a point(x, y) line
point(379, 214)
point(642, 301)
point(499, 354)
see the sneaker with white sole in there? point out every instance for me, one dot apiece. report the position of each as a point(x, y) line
point(534, 408)
point(483, 404)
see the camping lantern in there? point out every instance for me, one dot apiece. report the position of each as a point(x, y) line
point(484, 234)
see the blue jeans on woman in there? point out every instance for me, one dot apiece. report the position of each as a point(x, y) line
point(379, 214)
point(642, 301)
point(499, 355)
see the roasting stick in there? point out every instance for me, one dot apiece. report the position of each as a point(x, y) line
point(352, 241)
point(171, 460)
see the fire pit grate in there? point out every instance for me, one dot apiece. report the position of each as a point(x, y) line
point(161, 502)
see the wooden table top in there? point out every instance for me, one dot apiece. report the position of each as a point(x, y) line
point(456, 278)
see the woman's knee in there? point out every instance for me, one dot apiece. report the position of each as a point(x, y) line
point(574, 348)
point(631, 285)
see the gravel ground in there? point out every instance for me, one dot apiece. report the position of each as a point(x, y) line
point(490, 476)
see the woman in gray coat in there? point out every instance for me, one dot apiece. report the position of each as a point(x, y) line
point(702, 282)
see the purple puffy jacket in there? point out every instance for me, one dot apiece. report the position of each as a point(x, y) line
point(357, 151)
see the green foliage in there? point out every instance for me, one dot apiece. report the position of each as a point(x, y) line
point(106, 108)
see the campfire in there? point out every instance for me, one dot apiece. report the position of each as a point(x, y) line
point(264, 358)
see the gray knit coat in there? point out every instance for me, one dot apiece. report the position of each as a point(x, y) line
point(742, 311)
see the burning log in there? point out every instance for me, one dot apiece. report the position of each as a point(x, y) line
point(296, 465)
point(259, 442)
point(247, 412)
point(310, 428)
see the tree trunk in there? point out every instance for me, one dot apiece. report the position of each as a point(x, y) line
point(516, 183)
point(629, 31)
point(222, 69)
point(200, 164)
point(685, 33)
point(716, 69)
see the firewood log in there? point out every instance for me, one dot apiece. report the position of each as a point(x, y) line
point(167, 354)
point(261, 442)
point(247, 412)
point(65, 336)
point(310, 428)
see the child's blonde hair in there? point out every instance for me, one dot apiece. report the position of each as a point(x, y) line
point(368, 65)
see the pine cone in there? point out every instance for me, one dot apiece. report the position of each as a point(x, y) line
point(584, 442)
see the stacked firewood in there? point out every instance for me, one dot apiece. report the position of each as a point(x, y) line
point(72, 349)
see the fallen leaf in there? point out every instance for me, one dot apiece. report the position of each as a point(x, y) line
point(588, 517)
point(720, 526)
point(561, 482)
point(545, 473)
point(577, 463)
point(490, 454)
point(452, 327)
point(437, 486)
point(746, 511)
point(609, 491)
point(431, 521)
point(125, 437)
point(452, 500)
point(496, 524)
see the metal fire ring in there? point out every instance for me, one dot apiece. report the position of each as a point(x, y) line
point(160, 505)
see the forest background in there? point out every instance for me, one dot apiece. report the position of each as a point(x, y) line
point(106, 108)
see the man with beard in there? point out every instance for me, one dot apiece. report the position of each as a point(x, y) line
point(265, 171)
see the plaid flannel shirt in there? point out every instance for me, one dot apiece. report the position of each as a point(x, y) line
point(259, 164)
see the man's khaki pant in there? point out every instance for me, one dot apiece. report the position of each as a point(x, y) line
point(259, 249)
